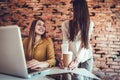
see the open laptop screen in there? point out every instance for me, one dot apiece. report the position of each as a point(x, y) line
point(12, 58)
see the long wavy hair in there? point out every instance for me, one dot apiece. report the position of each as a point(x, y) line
point(80, 21)
point(31, 39)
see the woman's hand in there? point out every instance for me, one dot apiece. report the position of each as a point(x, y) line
point(34, 64)
point(73, 64)
point(61, 64)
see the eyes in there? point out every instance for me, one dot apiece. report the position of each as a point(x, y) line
point(40, 24)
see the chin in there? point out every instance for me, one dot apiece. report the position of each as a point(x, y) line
point(70, 17)
point(41, 33)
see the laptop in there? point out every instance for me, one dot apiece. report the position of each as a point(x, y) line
point(12, 58)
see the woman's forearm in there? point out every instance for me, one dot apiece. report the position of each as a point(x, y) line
point(45, 64)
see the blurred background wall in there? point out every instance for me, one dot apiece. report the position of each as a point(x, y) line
point(106, 35)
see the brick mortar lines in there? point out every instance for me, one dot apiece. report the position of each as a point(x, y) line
point(102, 15)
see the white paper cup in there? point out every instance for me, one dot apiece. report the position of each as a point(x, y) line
point(67, 58)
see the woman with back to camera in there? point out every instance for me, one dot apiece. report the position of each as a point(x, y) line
point(38, 48)
point(77, 32)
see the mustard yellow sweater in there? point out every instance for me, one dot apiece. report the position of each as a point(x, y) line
point(43, 50)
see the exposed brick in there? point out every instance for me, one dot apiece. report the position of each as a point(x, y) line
point(115, 66)
point(117, 70)
point(104, 13)
point(109, 70)
point(118, 59)
point(111, 73)
point(112, 63)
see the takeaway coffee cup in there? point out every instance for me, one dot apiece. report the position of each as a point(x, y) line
point(67, 58)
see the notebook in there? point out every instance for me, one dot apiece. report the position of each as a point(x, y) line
point(12, 58)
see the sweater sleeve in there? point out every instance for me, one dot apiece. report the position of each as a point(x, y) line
point(83, 53)
point(50, 53)
point(91, 29)
point(24, 40)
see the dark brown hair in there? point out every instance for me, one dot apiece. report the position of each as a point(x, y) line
point(31, 39)
point(80, 21)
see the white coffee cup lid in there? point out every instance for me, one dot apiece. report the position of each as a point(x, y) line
point(68, 52)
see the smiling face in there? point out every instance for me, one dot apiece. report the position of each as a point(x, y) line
point(40, 28)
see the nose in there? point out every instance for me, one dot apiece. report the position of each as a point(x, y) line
point(42, 28)
point(69, 12)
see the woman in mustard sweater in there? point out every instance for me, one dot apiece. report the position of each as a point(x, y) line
point(39, 50)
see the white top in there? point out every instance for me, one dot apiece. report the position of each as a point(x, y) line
point(82, 54)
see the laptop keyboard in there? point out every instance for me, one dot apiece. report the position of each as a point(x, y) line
point(31, 70)
point(36, 70)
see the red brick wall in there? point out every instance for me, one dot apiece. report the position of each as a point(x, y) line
point(105, 14)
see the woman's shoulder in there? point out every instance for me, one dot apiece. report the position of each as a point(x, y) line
point(48, 39)
point(91, 23)
point(24, 39)
point(66, 22)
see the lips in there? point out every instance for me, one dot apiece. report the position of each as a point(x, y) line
point(41, 30)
